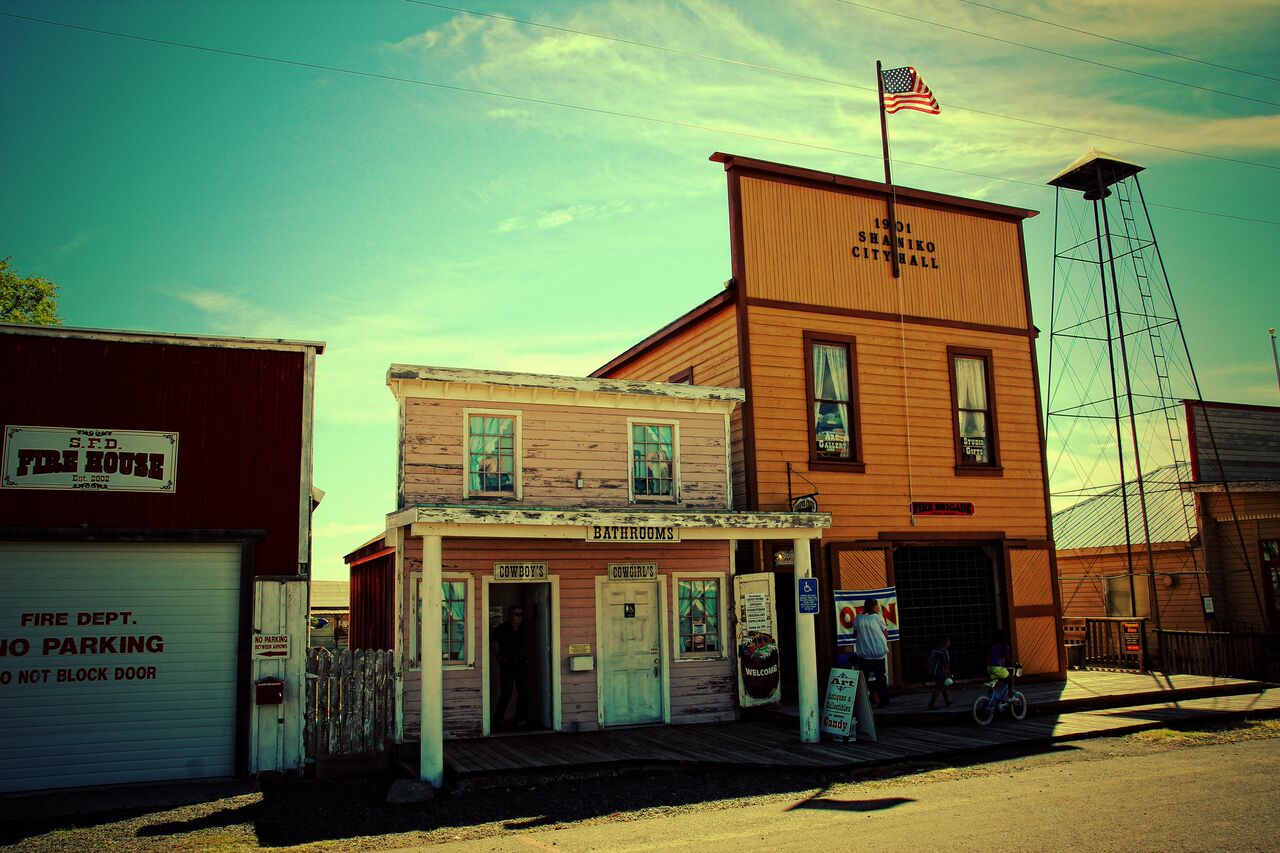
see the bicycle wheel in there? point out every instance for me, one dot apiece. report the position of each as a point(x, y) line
point(1018, 706)
point(983, 711)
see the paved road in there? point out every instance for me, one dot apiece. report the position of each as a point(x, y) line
point(1220, 797)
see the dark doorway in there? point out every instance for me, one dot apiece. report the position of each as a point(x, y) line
point(945, 589)
point(784, 591)
point(534, 599)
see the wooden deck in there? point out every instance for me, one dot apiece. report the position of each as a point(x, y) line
point(764, 744)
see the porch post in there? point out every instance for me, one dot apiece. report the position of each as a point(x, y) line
point(431, 755)
point(806, 652)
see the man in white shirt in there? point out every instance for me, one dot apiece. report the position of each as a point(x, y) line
point(872, 636)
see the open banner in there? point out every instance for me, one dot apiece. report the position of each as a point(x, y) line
point(849, 605)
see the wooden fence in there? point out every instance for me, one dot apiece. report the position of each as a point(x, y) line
point(1234, 655)
point(350, 701)
point(1115, 643)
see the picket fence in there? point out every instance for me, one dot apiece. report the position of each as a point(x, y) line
point(350, 702)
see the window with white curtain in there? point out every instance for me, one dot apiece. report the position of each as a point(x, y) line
point(974, 412)
point(831, 374)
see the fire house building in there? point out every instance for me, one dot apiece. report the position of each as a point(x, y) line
point(155, 537)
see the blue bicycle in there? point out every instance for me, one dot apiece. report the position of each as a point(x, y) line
point(1001, 695)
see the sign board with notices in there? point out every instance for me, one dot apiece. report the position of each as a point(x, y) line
point(847, 707)
point(270, 646)
point(756, 640)
point(1132, 633)
point(806, 596)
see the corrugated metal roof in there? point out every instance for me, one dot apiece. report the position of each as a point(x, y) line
point(1098, 521)
point(330, 595)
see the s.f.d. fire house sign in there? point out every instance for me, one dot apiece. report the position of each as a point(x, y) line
point(91, 460)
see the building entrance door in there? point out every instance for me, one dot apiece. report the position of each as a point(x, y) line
point(630, 654)
point(946, 589)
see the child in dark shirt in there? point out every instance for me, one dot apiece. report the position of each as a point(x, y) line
point(939, 668)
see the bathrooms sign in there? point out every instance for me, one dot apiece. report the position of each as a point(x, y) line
point(91, 460)
point(632, 533)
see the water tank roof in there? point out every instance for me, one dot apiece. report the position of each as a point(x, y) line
point(1094, 168)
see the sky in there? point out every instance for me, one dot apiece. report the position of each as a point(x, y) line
point(419, 184)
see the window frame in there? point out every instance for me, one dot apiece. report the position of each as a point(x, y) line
point(674, 497)
point(993, 467)
point(855, 464)
point(517, 450)
point(469, 647)
point(684, 377)
point(722, 629)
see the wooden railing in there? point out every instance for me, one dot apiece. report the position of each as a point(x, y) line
point(350, 702)
point(1115, 643)
point(1234, 655)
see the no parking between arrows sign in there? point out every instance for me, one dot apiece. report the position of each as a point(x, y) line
point(270, 646)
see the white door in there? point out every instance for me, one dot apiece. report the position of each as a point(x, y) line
point(117, 662)
point(631, 654)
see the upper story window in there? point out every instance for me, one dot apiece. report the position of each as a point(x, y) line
point(493, 454)
point(973, 399)
point(655, 461)
point(831, 379)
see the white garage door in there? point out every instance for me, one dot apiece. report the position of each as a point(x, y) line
point(117, 662)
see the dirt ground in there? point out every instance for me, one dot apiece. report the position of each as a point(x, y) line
point(342, 815)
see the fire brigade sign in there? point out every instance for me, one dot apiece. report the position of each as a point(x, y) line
point(91, 460)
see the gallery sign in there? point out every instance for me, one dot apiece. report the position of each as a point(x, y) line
point(100, 460)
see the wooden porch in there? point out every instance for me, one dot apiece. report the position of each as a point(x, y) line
point(1147, 702)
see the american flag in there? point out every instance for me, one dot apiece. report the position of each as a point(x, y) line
point(904, 89)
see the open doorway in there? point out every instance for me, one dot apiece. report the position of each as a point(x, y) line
point(952, 590)
point(519, 661)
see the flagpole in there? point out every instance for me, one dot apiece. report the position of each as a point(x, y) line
point(892, 227)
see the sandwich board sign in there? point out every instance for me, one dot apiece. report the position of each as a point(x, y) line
point(847, 708)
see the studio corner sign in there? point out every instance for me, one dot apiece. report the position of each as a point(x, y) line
point(98, 460)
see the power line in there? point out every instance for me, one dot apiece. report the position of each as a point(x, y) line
point(561, 104)
point(1121, 41)
point(951, 105)
point(1045, 50)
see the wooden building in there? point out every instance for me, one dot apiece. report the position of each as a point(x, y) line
point(1235, 467)
point(600, 509)
point(910, 404)
point(155, 529)
point(1094, 561)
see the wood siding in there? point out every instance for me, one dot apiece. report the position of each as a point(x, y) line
point(1179, 583)
point(863, 505)
point(701, 690)
point(1246, 438)
point(1236, 579)
point(238, 413)
point(710, 348)
point(558, 442)
point(798, 246)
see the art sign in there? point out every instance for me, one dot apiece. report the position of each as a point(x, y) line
point(849, 603)
point(837, 711)
point(91, 460)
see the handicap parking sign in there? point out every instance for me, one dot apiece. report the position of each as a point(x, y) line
point(807, 596)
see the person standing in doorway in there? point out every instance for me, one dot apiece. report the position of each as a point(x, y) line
point(873, 649)
point(513, 664)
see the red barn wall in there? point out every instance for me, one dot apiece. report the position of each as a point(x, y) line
point(238, 413)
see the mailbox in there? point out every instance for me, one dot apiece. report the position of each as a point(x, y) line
point(269, 691)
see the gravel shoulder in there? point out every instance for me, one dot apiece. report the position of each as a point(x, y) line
point(345, 815)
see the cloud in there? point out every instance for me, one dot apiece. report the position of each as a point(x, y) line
point(828, 101)
point(72, 245)
point(563, 216)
